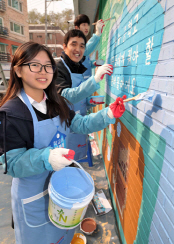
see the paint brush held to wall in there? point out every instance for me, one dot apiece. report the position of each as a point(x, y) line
point(104, 20)
point(142, 96)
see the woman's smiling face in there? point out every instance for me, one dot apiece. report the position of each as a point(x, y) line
point(33, 82)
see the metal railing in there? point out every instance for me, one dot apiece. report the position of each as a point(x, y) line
point(4, 31)
point(2, 5)
point(5, 57)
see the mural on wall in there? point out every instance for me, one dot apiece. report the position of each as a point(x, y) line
point(134, 47)
point(125, 171)
point(137, 149)
point(122, 175)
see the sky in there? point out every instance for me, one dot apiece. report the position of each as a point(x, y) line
point(56, 6)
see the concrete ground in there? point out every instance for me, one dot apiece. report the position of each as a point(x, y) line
point(106, 231)
point(6, 232)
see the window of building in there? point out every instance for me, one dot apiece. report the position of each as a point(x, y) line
point(17, 28)
point(1, 21)
point(2, 48)
point(14, 49)
point(20, 6)
point(22, 30)
point(49, 36)
point(15, 4)
point(31, 36)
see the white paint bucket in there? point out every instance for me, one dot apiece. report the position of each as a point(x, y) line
point(70, 191)
point(98, 99)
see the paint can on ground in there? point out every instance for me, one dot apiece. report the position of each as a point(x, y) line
point(78, 238)
point(70, 191)
point(88, 226)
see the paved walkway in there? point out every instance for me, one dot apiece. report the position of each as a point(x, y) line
point(6, 232)
point(106, 231)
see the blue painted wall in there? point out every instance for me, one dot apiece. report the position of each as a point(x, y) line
point(139, 43)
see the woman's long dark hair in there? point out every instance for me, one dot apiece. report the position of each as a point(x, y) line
point(56, 104)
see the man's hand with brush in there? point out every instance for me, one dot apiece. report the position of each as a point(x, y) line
point(106, 69)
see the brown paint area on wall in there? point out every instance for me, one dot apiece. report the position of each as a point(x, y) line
point(125, 171)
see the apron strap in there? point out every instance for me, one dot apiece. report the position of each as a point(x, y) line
point(27, 102)
point(66, 65)
point(33, 114)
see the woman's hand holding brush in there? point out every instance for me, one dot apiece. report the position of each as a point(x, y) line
point(117, 108)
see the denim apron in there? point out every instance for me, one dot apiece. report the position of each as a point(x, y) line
point(30, 195)
point(77, 142)
point(87, 64)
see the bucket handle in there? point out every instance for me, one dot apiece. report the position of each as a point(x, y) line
point(73, 161)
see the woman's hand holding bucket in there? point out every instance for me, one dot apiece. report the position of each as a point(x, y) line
point(60, 158)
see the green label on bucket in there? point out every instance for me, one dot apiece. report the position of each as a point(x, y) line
point(61, 213)
point(65, 218)
point(63, 226)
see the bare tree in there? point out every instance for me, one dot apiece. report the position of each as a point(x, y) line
point(67, 16)
point(34, 17)
point(56, 19)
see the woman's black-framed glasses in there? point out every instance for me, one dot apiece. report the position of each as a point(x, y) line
point(37, 67)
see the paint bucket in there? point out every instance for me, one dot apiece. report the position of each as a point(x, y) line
point(70, 191)
point(98, 99)
point(78, 238)
point(88, 226)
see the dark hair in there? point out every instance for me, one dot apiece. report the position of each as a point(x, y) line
point(73, 33)
point(57, 105)
point(80, 19)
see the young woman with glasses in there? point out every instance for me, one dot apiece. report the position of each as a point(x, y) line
point(38, 121)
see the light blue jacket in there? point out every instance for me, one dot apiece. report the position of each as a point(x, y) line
point(25, 163)
point(91, 44)
point(90, 47)
point(85, 89)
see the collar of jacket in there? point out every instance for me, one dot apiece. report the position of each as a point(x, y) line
point(78, 68)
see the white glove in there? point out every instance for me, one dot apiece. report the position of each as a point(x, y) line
point(99, 27)
point(58, 158)
point(110, 114)
point(117, 108)
point(98, 62)
point(103, 70)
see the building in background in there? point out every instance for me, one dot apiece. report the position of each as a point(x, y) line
point(13, 27)
point(13, 32)
point(55, 36)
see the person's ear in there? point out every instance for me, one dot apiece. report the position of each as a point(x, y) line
point(17, 70)
point(77, 28)
point(64, 47)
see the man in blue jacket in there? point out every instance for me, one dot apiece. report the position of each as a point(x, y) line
point(82, 23)
point(72, 85)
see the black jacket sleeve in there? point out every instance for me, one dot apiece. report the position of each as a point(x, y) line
point(63, 79)
point(19, 125)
